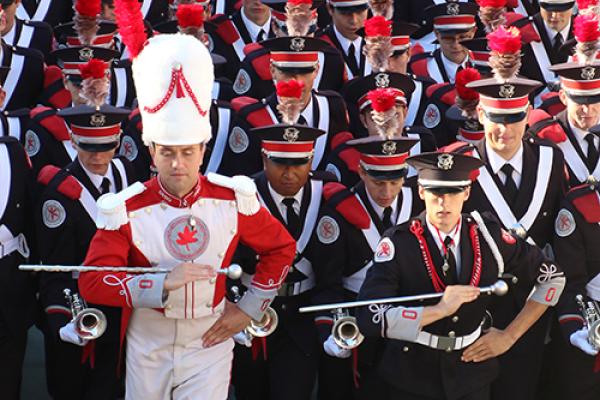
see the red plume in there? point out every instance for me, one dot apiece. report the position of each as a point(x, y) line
point(131, 25)
point(462, 78)
point(378, 26)
point(298, 2)
point(382, 100)
point(292, 88)
point(95, 69)
point(586, 28)
point(505, 41)
point(584, 4)
point(492, 3)
point(190, 15)
point(88, 8)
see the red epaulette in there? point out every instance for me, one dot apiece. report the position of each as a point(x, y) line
point(462, 148)
point(445, 92)
point(326, 39)
point(69, 186)
point(340, 138)
point(55, 92)
point(544, 126)
point(240, 102)
point(350, 156)
point(525, 26)
point(136, 118)
point(551, 103)
point(250, 47)
point(418, 64)
point(345, 203)
point(225, 28)
point(586, 201)
point(262, 65)
point(47, 118)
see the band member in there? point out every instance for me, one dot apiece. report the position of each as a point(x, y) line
point(25, 33)
point(441, 64)
point(324, 110)
point(576, 244)
point(53, 12)
point(522, 184)
point(437, 349)
point(379, 201)
point(177, 324)
point(18, 306)
point(66, 225)
point(570, 130)
point(347, 18)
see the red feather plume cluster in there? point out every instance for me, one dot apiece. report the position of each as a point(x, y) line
point(382, 100)
point(88, 8)
point(95, 69)
point(378, 26)
point(492, 3)
point(190, 15)
point(586, 28)
point(583, 4)
point(292, 88)
point(462, 78)
point(131, 25)
point(299, 2)
point(505, 40)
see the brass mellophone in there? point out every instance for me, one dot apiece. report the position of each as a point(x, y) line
point(262, 328)
point(591, 314)
point(90, 323)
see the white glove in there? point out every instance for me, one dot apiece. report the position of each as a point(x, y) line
point(332, 348)
point(67, 334)
point(579, 339)
point(243, 339)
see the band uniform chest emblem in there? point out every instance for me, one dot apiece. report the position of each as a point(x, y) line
point(328, 230)
point(186, 241)
point(385, 250)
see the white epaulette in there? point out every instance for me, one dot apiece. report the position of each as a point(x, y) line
point(244, 188)
point(112, 213)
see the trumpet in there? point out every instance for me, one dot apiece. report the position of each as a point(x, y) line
point(262, 328)
point(591, 314)
point(90, 323)
point(345, 330)
point(499, 288)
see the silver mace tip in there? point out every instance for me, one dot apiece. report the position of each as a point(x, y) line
point(234, 271)
point(500, 288)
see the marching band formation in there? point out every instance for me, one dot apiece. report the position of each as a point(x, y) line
point(301, 199)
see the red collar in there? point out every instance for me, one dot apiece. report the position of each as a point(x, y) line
point(185, 201)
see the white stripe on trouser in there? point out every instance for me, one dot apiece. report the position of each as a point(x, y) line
point(166, 360)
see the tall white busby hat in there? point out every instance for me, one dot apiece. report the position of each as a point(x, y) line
point(173, 78)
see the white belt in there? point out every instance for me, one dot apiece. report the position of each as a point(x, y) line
point(18, 243)
point(286, 289)
point(448, 343)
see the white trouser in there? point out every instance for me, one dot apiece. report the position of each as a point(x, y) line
point(166, 360)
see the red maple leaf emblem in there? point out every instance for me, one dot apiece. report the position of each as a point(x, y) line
point(186, 237)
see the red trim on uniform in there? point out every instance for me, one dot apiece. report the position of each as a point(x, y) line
point(303, 147)
point(397, 159)
point(350, 208)
point(262, 65)
point(400, 40)
point(54, 124)
point(183, 202)
point(260, 117)
point(454, 20)
point(227, 31)
point(99, 40)
point(96, 132)
point(299, 57)
point(70, 187)
point(340, 138)
point(479, 55)
point(504, 103)
point(580, 85)
point(588, 205)
point(470, 135)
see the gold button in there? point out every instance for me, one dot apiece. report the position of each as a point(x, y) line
point(212, 281)
point(455, 318)
point(449, 350)
point(233, 231)
point(138, 243)
point(148, 210)
point(208, 305)
point(405, 349)
point(291, 269)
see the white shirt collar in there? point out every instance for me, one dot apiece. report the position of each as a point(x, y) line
point(580, 135)
point(97, 179)
point(379, 210)
point(552, 33)
point(307, 113)
point(439, 239)
point(451, 66)
point(497, 162)
point(253, 29)
point(9, 37)
point(278, 199)
point(345, 42)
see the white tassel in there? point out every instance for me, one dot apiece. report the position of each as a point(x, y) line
point(490, 241)
point(112, 213)
point(244, 188)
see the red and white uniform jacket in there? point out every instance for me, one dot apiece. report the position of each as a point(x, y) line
point(203, 227)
